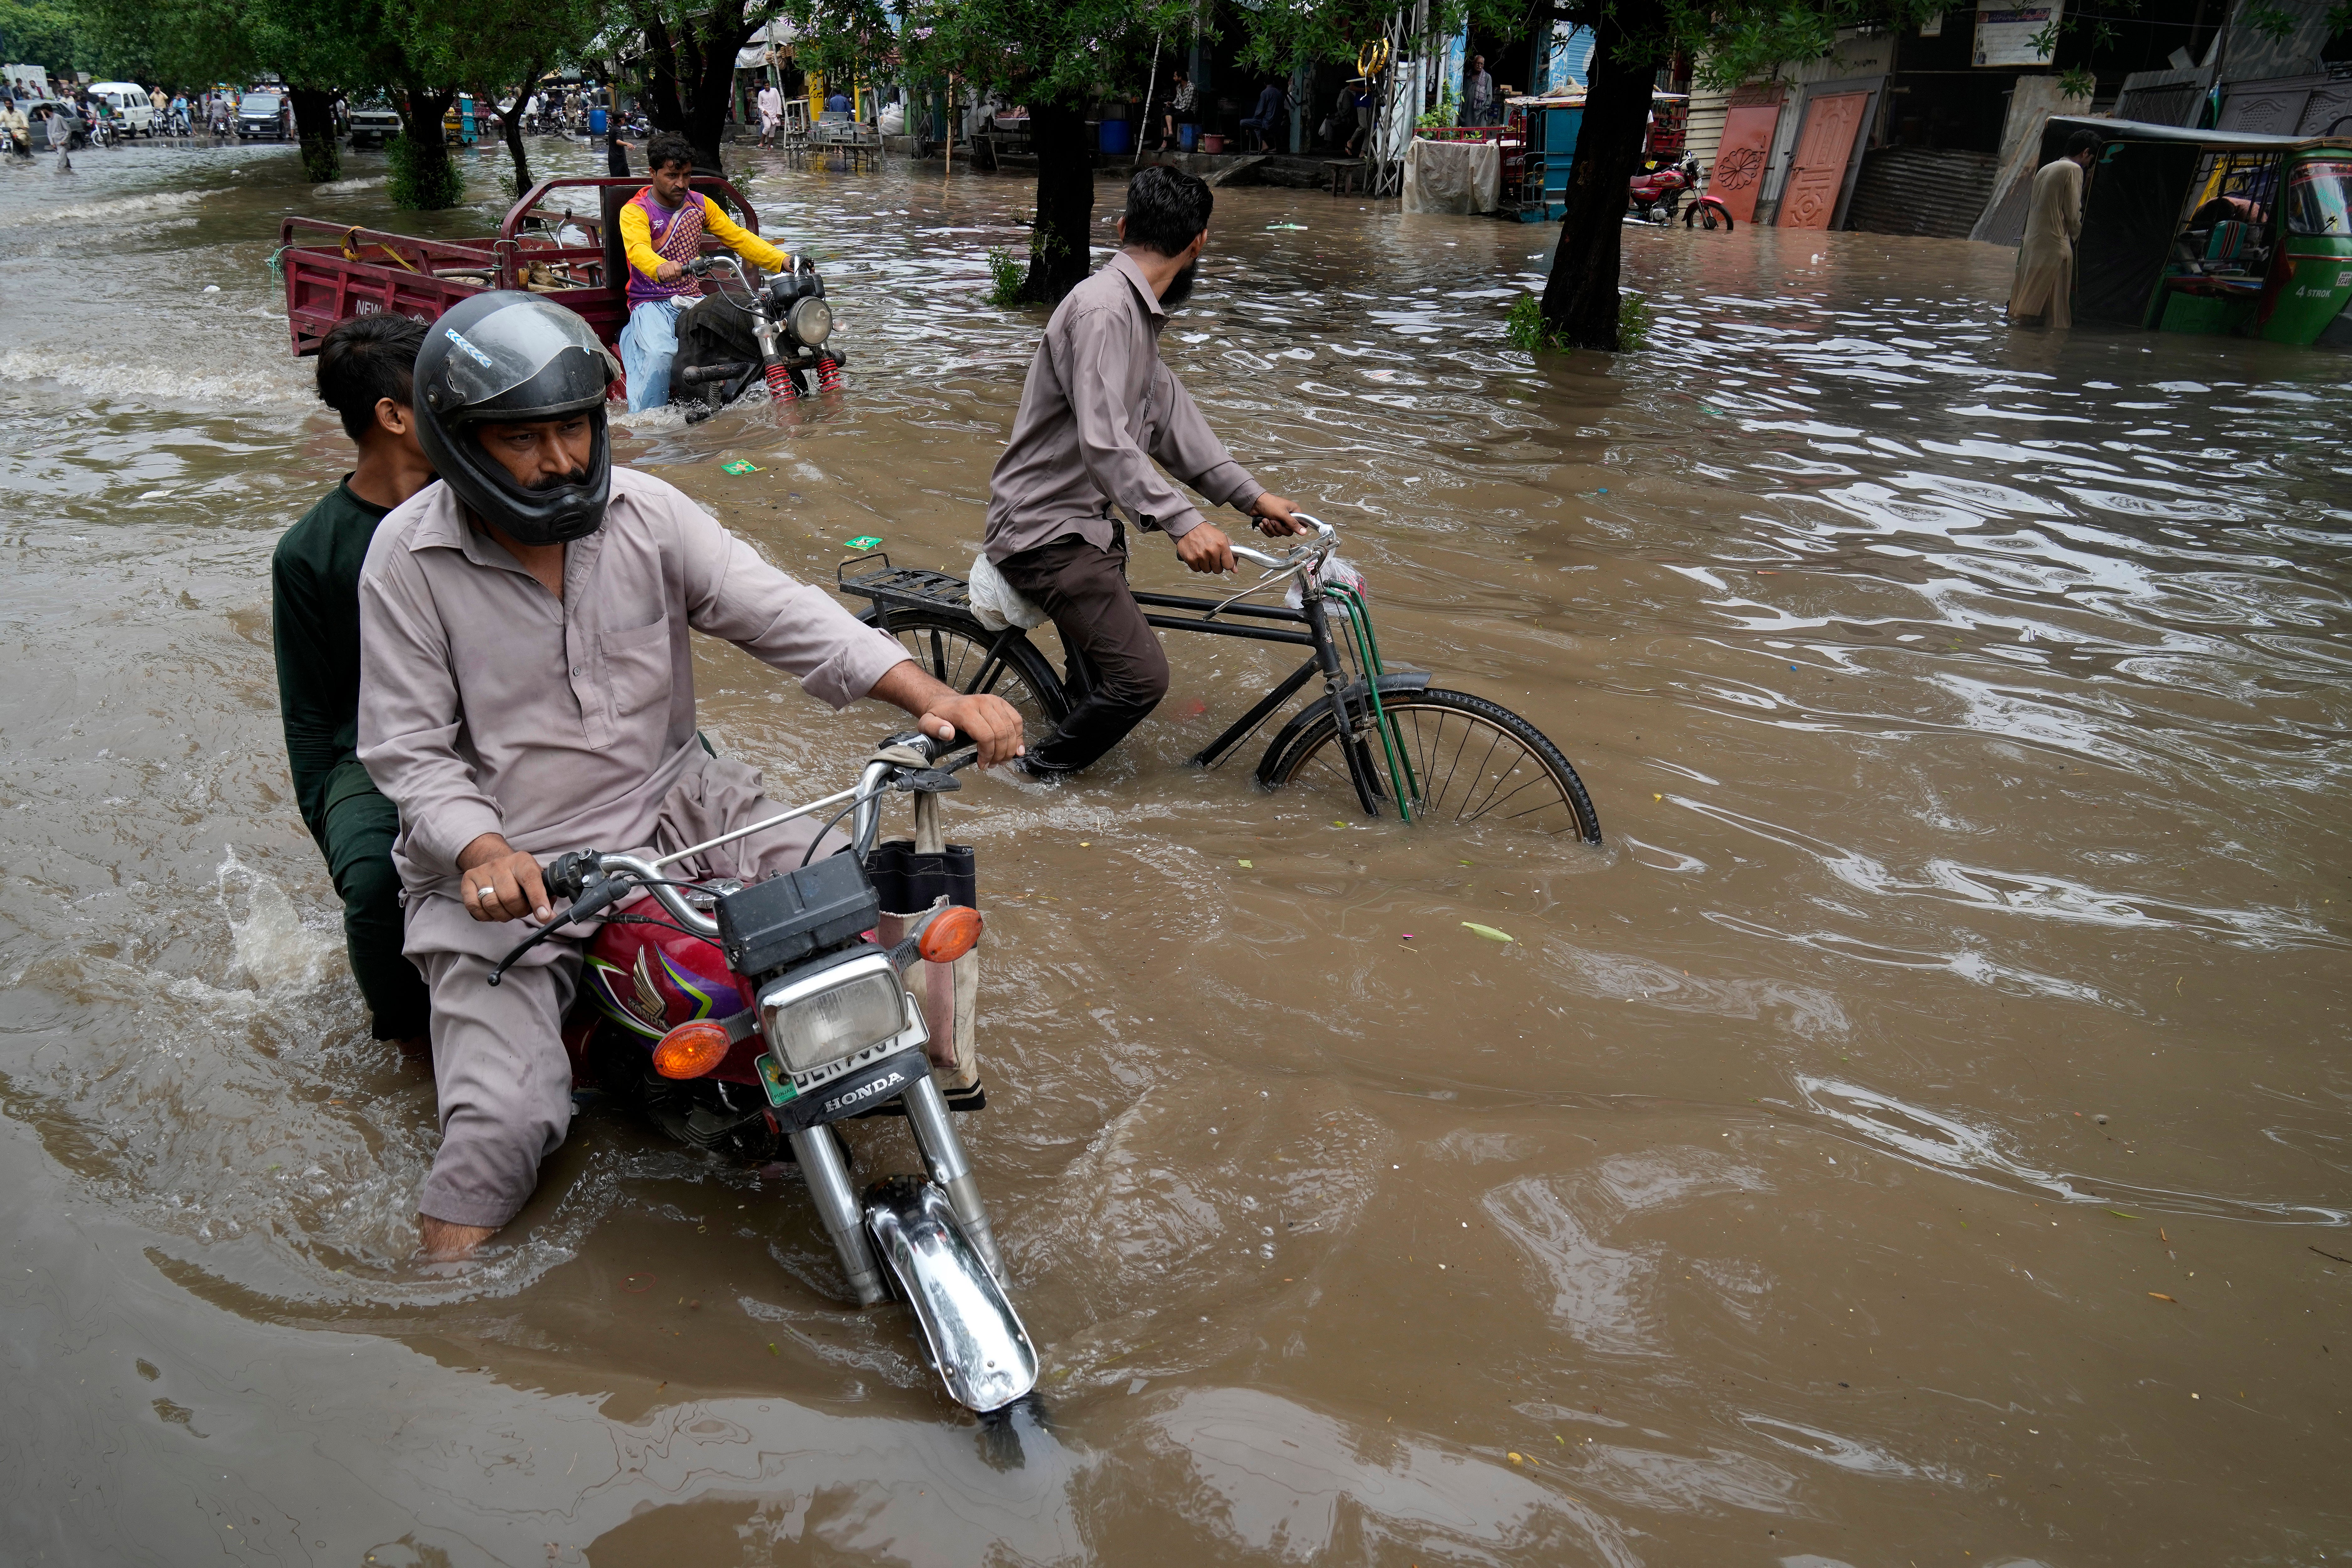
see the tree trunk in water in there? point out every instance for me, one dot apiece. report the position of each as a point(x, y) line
point(692, 75)
point(423, 178)
point(723, 33)
point(514, 149)
point(314, 122)
point(1058, 240)
point(1580, 299)
point(510, 121)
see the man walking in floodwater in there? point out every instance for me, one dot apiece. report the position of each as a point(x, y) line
point(1098, 409)
point(365, 375)
point(2043, 295)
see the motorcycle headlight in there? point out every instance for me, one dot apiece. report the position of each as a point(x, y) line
point(810, 1020)
point(811, 322)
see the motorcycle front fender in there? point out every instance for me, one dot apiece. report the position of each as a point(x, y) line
point(977, 1343)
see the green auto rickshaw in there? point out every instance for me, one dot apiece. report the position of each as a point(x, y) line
point(2215, 231)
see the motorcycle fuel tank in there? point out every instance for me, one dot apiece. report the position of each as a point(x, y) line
point(976, 1340)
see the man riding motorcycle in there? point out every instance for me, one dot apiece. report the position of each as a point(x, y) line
point(661, 231)
point(526, 687)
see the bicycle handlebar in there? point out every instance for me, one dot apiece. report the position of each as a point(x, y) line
point(1326, 538)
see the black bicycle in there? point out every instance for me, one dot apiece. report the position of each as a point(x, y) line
point(1388, 736)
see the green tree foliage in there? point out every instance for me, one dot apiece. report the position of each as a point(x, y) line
point(496, 50)
point(1053, 56)
point(419, 52)
point(688, 63)
point(51, 34)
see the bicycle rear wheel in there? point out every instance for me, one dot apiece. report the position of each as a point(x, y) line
point(1469, 762)
point(956, 649)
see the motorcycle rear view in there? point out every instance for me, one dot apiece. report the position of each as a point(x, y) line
point(823, 1025)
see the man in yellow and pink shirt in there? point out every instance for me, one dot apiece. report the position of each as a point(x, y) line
point(661, 230)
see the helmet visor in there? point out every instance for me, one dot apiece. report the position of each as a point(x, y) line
point(508, 348)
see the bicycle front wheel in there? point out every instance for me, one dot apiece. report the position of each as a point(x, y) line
point(957, 651)
point(1467, 762)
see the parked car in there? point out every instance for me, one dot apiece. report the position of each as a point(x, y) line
point(36, 113)
point(129, 100)
point(373, 123)
point(260, 118)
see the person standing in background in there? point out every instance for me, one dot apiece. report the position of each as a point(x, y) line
point(1478, 94)
point(1360, 100)
point(772, 114)
point(616, 152)
point(55, 124)
point(2043, 295)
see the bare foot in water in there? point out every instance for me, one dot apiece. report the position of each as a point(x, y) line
point(442, 1242)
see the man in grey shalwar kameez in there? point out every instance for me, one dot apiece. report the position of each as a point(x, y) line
point(527, 686)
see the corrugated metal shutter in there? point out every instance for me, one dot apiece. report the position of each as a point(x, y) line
point(1922, 191)
point(1706, 112)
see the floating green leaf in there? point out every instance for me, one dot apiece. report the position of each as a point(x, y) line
point(1489, 932)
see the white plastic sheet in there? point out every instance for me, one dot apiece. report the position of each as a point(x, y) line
point(1453, 176)
point(995, 603)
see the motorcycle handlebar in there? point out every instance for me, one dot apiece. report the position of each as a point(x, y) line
point(595, 881)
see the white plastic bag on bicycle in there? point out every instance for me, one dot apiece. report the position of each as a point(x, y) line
point(994, 603)
point(1336, 572)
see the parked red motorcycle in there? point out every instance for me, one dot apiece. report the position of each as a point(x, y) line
point(1656, 195)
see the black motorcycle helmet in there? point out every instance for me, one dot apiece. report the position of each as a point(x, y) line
point(510, 358)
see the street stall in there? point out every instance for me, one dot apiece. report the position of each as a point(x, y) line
point(2214, 231)
point(1535, 182)
point(1456, 171)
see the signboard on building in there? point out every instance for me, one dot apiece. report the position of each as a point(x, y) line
point(2026, 37)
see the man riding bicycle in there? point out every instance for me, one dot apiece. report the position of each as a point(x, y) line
point(527, 686)
point(1099, 408)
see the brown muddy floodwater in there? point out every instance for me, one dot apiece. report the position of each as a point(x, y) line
point(1918, 1136)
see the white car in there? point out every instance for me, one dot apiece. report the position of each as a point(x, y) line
point(129, 100)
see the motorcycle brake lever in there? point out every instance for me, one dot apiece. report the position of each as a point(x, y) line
point(928, 780)
point(600, 893)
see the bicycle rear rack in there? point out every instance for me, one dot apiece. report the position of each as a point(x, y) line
point(913, 586)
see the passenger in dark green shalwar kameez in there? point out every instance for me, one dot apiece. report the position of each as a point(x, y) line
point(365, 375)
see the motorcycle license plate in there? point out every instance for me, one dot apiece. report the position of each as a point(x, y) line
point(771, 1079)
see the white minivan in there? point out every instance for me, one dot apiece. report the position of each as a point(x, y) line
point(128, 99)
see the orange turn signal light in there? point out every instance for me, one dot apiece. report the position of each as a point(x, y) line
point(952, 932)
point(691, 1050)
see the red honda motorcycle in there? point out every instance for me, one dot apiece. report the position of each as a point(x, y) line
point(748, 1019)
point(1656, 195)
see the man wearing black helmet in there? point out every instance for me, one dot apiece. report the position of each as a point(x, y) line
point(528, 687)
